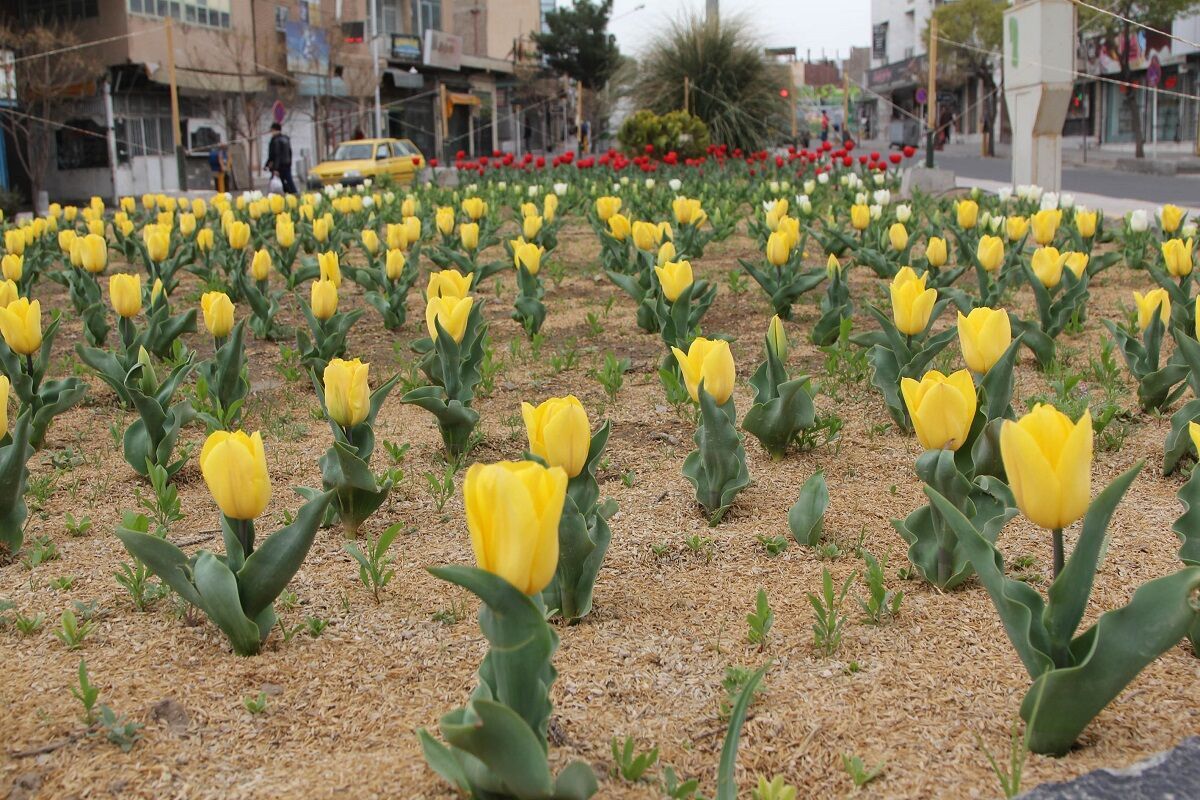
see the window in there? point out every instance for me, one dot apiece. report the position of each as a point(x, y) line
point(210, 13)
point(382, 151)
point(81, 145)
point(426, 14)
point(48, 11)
point(391, 20)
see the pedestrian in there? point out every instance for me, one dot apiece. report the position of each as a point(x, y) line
point(279, 158)
point(864, 125)
point(218, 162)
point(585, 137)
point(824, 126)
point(358, 134)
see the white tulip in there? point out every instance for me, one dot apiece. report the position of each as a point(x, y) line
point(675, 184)
point(823, 178)
point(876, 211)
point(1004, 193)
point(810, 186)
point(1139, 220)
point(903, 213)
point(560, 189)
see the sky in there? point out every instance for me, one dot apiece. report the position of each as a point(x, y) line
point(778, 23)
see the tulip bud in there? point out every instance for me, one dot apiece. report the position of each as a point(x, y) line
point(559, 433)
point(148, 383)
point(898, 236)
point(912, 303)
point(990, 253)
point(777, 338)
point(1076, 262)
point(330, 267)
point(125, 293)
point(529, 256)
point(445, 220)
point(370, 240)
point(935, 252)
point(1047, 264)
point(967, 212)
point(833, 267)
point(942, 408)
point(709, 361)
point(618, 226)
point(606, 207)
point(8, 292)
point(474, 208)
point(156, 289)
point(468, 232)
point(452, 313)
point(14, 241)
point(204, 240)
point(1045, 225)
point(860, 216)
point(1048, 460)
point(984, 335)
point(12, 266)
point(513, 511)
point(449, 283)
point(645, 235)
point(158, 242)
point(218, 313)
point(239, 235)
point(1085, 223)
point(666, 253)
point(1177, 255)
point(320, 228)
point(1170, 217)
point(1155, 300)
point(21, 326)
point(347, 394)
point(409, 207)
point(324, 299)
point(260, 265)
point(1139, 221)
point(395, 264)
point(674, 277)
point(550, 207)
point(779, 249)
point(531, 226)
point(234, 467)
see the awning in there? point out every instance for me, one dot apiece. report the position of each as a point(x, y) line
point(320, 86)
point(403, 79)
point(202, 81)
point(460, 99)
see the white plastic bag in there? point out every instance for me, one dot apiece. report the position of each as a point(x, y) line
point(275, 186)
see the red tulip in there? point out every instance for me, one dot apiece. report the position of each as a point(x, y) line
point(895, 158)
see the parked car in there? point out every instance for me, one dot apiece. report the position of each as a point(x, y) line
point(357, 159)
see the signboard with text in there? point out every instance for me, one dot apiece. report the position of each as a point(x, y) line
point(443, 50)
point(406, 48)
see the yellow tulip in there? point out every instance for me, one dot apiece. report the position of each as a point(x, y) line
point(1171, 218)
point(912, 303)
point(983, 336)
point(550, 207)
point(779, 249)
point(1045, 225)
point(474, 208)
point(645, 235)
point(5, 387)
point(204, 240)
point(449, 283)
point(709, 361)
point(445, 220)
point(370, 240)
point(14, 242)
point(1047, 264)
point(125, 293)
point(8, 293)
point(275, 202)
point(898, 236)
point(12, 266)
point(860, 216)
point(468, 232)
point(531, 226)
point(166, 202)
point(94, 253)
point(674, 277)
point(529, 256)
point(618, 226)
point(409, 207)
point(158, 242)
point(21, 325)
point(1076, 262)
point(559, 433)
point(1178, 256)
point(331, 269)
point(935, 252)
point(777, 338)
point(990, 253)
point(187, 225)
point(1193, 428)
point(218, 313)
point(397, 236)
point(128, 205)
point(688, 211)
point(199, 207)
point(942, 408)
point(513, 510)
point(260, 265)
point(790, 227)
point(1155, 300)
point(324, 299)
point(412, 227)
point(606, 207)
point(239, 235)
point(65, 239)
point(234, 466)
point(347, 395)
point(395, 264)
point(833, 266)
point(664, 231)
point(1085, 223)
point(967, 212)
point(156, 289)
point(451, 312)
point(1048, 460)
point(320, 227)
point(96, 226)
point(166, 219)
point(666, 253)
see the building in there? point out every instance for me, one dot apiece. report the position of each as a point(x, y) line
point(445, 76)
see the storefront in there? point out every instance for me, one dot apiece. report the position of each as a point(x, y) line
point(1165, 84)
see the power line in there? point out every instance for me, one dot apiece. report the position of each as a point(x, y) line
point(92, 43)
point(1135, 23)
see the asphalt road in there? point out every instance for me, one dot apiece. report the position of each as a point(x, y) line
point(1109, 182)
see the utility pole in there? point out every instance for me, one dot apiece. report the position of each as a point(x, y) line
point(687, 90)
point(712, 11)
point(375, 66)
point(846, 107)
point(931, 98)
point(176, 129)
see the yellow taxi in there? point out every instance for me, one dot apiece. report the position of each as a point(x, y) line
point(358, 159)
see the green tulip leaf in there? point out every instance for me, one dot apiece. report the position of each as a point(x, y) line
point(726, 770)
point(499, 738)
point(218, 591)
point(1187, 526)
point(14, 472)
point(272, 565)
point(806, 517)
point(441, 759)
point(717, 467)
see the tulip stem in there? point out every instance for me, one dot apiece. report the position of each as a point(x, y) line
point(1058, 551)
point(32, 374)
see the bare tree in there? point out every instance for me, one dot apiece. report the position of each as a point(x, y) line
point(48, 87)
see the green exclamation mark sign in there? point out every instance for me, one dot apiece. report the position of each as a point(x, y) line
point(1012, 37)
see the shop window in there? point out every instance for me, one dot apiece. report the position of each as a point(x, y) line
point(210, 13)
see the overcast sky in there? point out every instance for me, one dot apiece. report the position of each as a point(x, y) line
point(779, 23)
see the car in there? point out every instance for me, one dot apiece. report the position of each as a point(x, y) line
point(355, 160)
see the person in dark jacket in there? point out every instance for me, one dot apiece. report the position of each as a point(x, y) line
point(279, 158)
